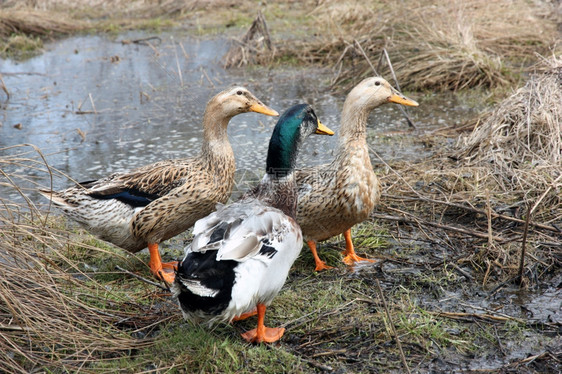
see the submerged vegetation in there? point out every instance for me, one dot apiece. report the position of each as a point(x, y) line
point(468, 239)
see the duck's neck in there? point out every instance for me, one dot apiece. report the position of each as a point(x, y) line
point(279, 190)
point(216, 146)
point(353, 129)
point(278, 187)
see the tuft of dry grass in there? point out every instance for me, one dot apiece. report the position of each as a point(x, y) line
point(36, 22)
point(63, 17)
point(508, 172)
point(435, 45)
point(520, 141)
point(53, 314)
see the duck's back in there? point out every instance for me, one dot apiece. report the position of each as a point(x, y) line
point(240, 256)
point(160, 200)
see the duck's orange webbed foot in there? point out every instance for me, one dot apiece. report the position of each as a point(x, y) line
point(262, 334)
point(350, 257)
point(166, 276)
point(269, 335)
point(172, 265)
point(320, 265)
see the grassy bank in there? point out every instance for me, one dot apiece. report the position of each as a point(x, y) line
point(449, 235)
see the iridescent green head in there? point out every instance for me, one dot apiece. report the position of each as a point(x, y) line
point(292, 128)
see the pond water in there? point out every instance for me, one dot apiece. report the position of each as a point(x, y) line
point(94, 105)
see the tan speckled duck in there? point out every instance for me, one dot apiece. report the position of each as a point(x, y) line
point(334, 197)
point(155, 202)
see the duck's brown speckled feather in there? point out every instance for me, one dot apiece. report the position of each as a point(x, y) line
point(158, 201)
point(156, 179)
point(334, 197)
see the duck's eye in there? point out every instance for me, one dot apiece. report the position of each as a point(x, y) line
point(239, 93)
point(377, 83)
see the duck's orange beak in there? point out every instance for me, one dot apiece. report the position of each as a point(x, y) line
point(398, 98)
point(260, 108)
point(323, 130)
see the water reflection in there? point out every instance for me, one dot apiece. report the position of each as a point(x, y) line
point(149, 101)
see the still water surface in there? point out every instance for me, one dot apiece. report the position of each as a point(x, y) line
point(94, 106)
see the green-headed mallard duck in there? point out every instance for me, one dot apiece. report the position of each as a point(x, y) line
point(155, 202)
point(241, 254)
point(334, 197)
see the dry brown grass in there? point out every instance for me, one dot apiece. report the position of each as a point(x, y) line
point(434, 45)
point(36, 22)
point(507, 169)
point(520, 141)
point(52, 17)
point(112, 9)
point(53, 314)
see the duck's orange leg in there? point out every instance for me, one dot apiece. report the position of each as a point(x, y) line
point(263, 334)
point(162, 270)
point(246, 315)
point(349, 253)
point(320, 265)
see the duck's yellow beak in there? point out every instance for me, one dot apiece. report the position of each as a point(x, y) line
point(260, 108)
point(323, 130)
point(398, 98)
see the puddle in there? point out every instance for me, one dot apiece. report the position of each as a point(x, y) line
point(146, 111)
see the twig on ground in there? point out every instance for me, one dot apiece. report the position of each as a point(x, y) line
point(500, 345)
point(421, 221)
point(141, 278)
point(396, 337)
point(471, 209)
point(463, 272)
point(523, 245)
point(470, 316)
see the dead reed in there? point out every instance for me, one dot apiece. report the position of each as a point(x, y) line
point(53, 314)
point(520, 141)
point(435, 45)
point(254, 46)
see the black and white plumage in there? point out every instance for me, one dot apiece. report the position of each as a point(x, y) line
point(241, 254)
point(229, 259)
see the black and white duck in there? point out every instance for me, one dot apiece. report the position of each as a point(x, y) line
point(241, 254)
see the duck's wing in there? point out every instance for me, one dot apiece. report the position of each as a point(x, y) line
point(143, 185)
point(242, 231)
